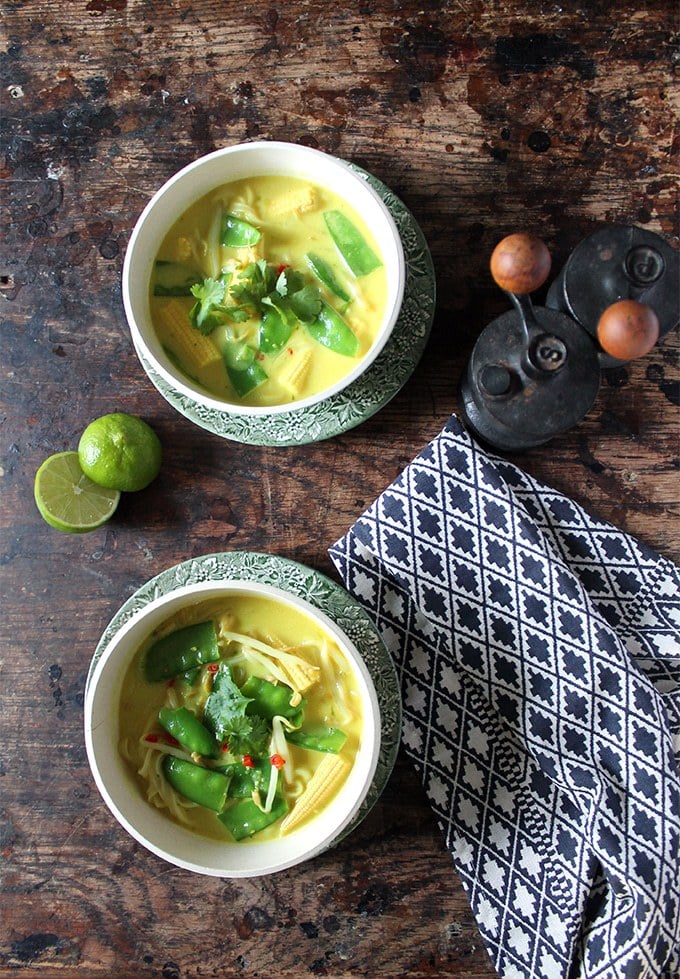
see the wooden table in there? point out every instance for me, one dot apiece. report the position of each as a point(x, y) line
point(484, 119)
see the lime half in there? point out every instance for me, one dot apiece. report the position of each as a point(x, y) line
point(68, 499)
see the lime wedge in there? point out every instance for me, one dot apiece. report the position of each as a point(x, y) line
point(68, 499)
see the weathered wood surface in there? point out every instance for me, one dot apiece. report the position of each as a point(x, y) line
point(484, 118)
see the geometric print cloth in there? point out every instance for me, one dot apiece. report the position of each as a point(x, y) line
point(539, 662)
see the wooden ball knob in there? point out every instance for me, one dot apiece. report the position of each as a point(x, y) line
point(520, 263)
point(628, 329)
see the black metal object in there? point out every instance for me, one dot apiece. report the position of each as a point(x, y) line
point(618, 262)
point(534, 372)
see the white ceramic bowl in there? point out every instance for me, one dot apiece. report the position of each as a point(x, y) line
point(155, 830)
point(210, 172)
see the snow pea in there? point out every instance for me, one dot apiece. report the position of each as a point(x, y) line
point(199, 785)
point(237, 233)
point(324, 273)
point(244, 818)
point(243, 370)
point(270, 700)
point(245, 380)
point(173, 279)
point(238, 354)
point(330, 330)
point(274, 331)
point(351, 244)
point(246, 780)
point(181, 650)
point(328, 739)
point(186, 728)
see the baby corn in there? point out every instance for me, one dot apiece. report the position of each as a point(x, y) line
point(294, 373)
point(301, 675)
point(192, 349)
point(321, 787)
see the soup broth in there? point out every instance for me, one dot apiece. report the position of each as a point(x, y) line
point(268, 291)
point(228, 663)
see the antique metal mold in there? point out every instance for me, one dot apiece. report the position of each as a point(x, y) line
point(535, 372)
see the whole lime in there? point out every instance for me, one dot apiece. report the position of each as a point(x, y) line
point(120, 452)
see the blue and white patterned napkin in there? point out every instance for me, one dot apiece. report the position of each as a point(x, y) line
point(540, 670)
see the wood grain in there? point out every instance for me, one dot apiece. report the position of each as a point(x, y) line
point(485, 119)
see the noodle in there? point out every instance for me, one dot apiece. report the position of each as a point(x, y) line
point(280, 745)
point(332, 675)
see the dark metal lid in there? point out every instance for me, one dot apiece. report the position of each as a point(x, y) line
point(516, 395)
point(619, 262)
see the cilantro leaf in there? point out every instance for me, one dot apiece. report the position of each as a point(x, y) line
point(259, 287)
point(204, 314)
point(209, 291)
point(306, 303)
point(256, 280)
point(225, 714)
point(248, 736)
point(289, 281)
point(225, 703)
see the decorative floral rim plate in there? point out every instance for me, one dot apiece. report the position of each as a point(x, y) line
point(370, 392)
point(319, 591)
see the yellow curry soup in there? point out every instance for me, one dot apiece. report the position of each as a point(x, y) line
point(268, 291)
point(202, 770)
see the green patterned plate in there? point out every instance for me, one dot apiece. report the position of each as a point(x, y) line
point(314, 588)
point(370, 392)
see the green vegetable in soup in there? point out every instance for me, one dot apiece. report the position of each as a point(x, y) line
point(200, 785)
point(246, 378)
point(274, 331)
point(238, 354)
point(294, 295)
point(255, 281)
point(225, 713)
point(237, 233)
point(244, 818)
point(330, 330)
point(270, 700)
point(224, 703)
point(260, 288)
point(173, 279)
point(182, 650)
point(245, 781)
point(324, 273)
point(351, 244)
point(186, 728)
point(209, 311)
point(328, 739)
